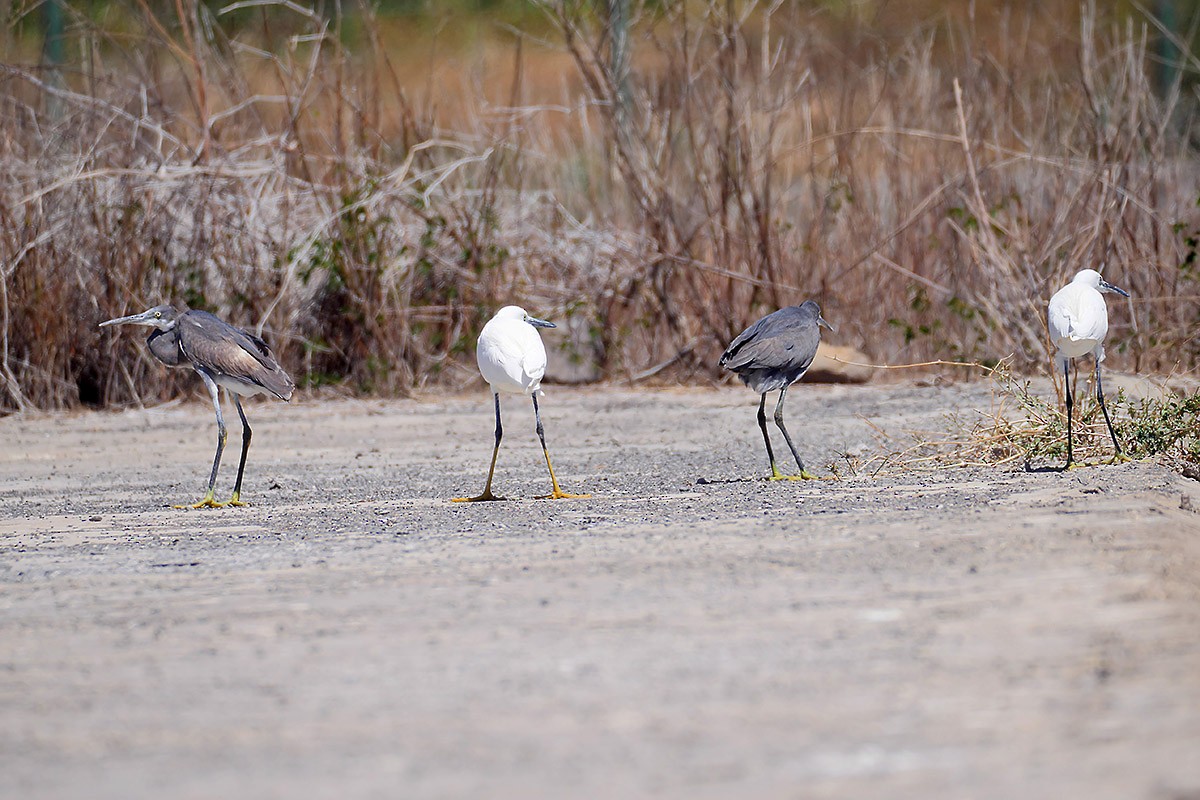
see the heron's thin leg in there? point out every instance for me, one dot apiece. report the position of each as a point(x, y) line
point(487, 489)
point(208, 499)
point(762, 423)
point(1070, 401)
point(1100, 396)
point(804, 473)
point(557, 493)
point(236, 498)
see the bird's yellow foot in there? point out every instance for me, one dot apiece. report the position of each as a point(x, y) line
point(208, 501)
point(487, 495)
point(1121, 458)
point(235, 500)
point(804, 475)
point(559, 494)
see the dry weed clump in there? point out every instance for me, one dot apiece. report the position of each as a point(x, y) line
point(706, 164)
point(931, 202)
point(1025, 429)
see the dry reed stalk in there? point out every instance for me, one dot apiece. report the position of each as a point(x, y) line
point(930, 192)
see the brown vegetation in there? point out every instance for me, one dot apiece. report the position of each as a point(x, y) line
point(930, 188)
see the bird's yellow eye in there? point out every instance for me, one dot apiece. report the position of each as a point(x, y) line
point(158, 315)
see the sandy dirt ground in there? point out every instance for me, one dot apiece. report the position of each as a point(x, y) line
point(963, 633)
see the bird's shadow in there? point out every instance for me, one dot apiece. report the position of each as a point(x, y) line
point(1029, 468)
point(1063, 469)
point(755, 479)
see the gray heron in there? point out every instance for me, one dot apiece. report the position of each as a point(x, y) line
point(771, 355)
point(223, 356)
point(1078, 320)
point(512, 359)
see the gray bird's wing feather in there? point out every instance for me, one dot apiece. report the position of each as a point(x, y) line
point(223, 349)
point(786, 339)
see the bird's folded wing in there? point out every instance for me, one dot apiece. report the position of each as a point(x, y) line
point(787, 345)
point(1077, 315)
point(1059, 319)
point(234, 353)
point(533, 367)
point(500, 358)
point(730, 358)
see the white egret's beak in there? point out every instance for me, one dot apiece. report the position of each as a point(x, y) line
point(1105, 286)
point(539, 323)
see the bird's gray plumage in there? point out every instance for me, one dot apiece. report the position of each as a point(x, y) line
point(771, 355)
point(776, 351)
point(223, 356)
point(230, 352)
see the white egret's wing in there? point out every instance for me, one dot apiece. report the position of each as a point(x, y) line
point(1090, 317)
point(533, 360)
point(510, 355)
point(1077, 313)
point(1059, 316)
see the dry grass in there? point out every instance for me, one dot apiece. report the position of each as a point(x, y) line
point(930, 189)
point(1023, 429)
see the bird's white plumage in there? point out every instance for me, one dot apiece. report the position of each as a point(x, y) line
point(1078, 318)
point(510, 353)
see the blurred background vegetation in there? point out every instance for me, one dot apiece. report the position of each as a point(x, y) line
point(366, 183)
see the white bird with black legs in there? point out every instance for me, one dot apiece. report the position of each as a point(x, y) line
point(1078, 320)
point(771, 355)
point(512, 359)
point(223, 356)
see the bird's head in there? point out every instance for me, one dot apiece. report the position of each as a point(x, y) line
point(1090, 277)
point(814, 309)
point(162, 317)
point(518, 313)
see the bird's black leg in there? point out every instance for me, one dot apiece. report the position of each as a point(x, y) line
point(236, 498)
point(1067, 385)
point(556, 493)
point(762, 423)
point(804, 473)
point(487, 489)
point(208, 499)
point(1100, 396)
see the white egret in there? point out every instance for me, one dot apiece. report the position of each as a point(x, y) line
point(771, 355)
point(1078, 320)
point(512, 359)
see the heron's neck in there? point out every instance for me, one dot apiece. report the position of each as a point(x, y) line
point(164, 344)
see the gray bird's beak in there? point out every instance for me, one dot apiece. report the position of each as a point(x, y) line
point(822, 322)
point(539, 323)
point(1108, 287)
point(143, 318)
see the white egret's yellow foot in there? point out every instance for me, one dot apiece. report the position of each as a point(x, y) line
point(559, 494)
point(487, 495)
point(208, 501)
point(1121, 458)
point(235, 500)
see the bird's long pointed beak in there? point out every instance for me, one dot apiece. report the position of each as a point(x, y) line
point(825, 324)
point(1108, 287)
point(136, 319)
point(539, 323)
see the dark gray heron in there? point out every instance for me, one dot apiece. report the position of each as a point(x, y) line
point(771, 355)
point(1078, 321)
point(223, 356)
